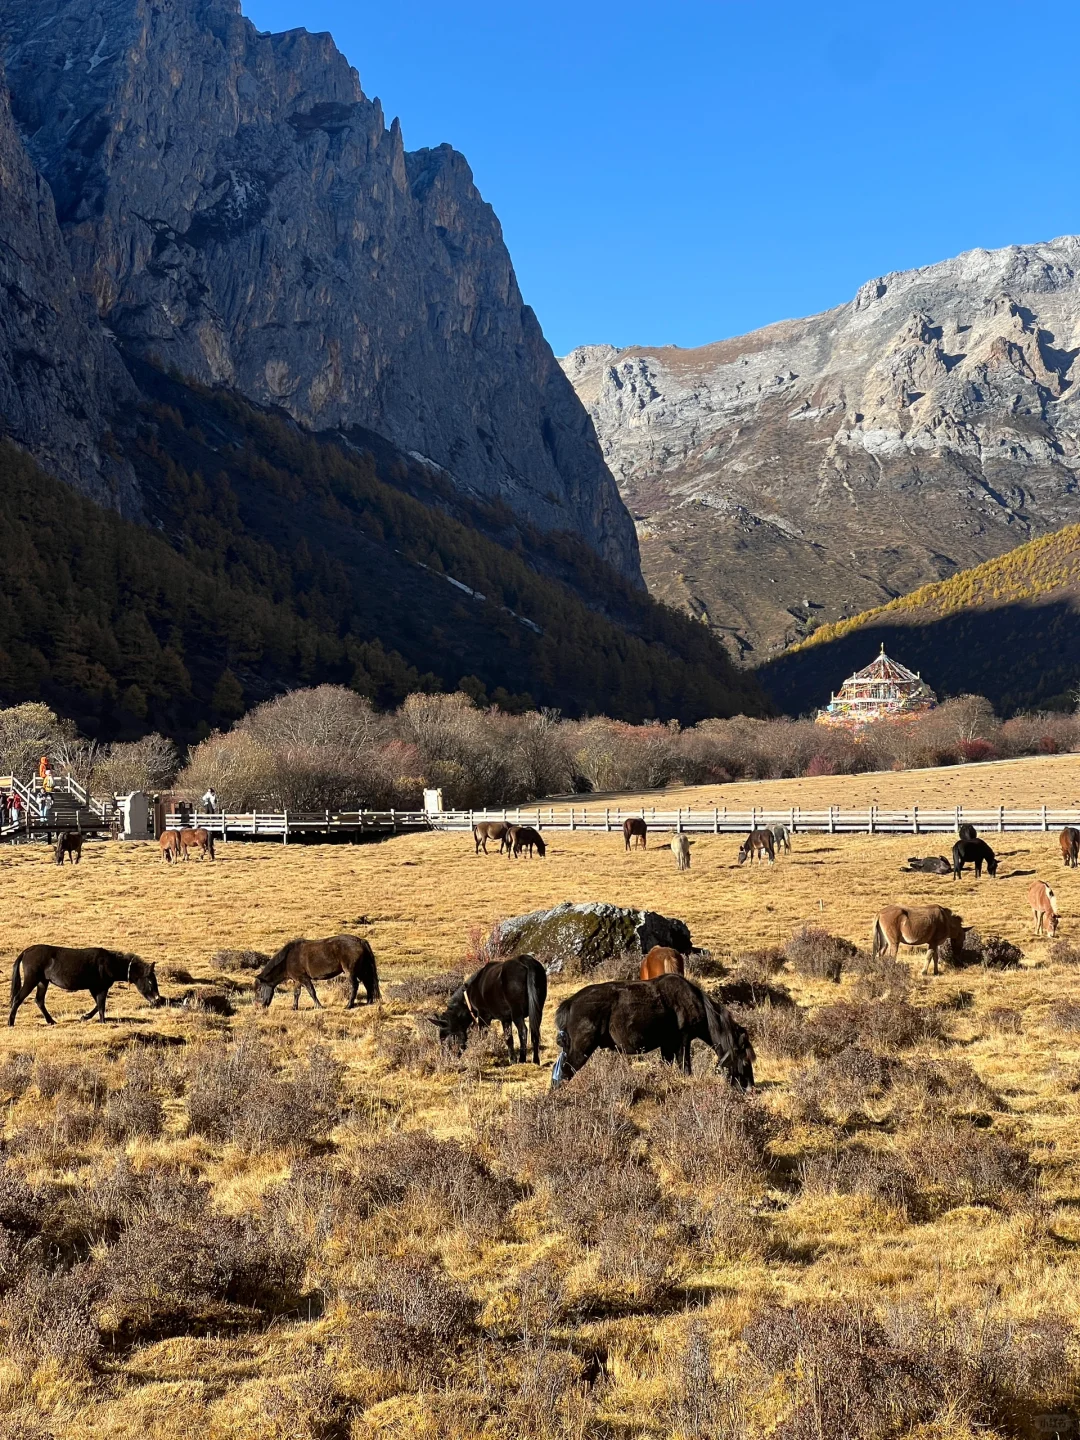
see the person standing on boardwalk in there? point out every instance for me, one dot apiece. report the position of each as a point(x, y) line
point(209, 802)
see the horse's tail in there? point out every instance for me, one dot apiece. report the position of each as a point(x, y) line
point(60, 848)
point(536, 985)
point(878, 942)
point(375, 993)
point(210, 844)
point(16, 979)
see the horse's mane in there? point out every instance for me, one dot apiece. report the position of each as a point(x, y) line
point(274, 968)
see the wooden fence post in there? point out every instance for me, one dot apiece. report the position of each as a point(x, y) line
point(1001, 819)
point(832, 822)
point(1044, 824)
point(715, 821)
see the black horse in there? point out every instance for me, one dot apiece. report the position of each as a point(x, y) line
point(930, 864)
point(973, 852)
point(967, 832)
point(510, 991)
point(91, 968)
point(634, 1016)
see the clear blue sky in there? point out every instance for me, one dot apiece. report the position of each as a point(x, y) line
point(679, 171)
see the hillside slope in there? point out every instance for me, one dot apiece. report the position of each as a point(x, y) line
point(233, 204)
point(1007, 629)
point(818, 467)
point(277, 558)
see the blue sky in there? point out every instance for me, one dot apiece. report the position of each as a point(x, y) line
point(683, 171)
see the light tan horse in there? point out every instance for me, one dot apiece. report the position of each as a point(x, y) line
point(1044, 909)
point(169, 840)
point(662, 960)
point(200, 840)
point(680, 848)
point(929, 925)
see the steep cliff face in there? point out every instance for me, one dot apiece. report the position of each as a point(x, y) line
point(237, 208)
point(815, 468)
point(59, 378)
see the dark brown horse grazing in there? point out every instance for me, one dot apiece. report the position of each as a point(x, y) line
point(485, 830)
point(526, 838)
point(510, 991)
point(1069, 840)
point(200, 840)
point(69, 843)
point(635, 829)
point(662, 960)
point(169, 840)
point(304, 961)
point(90, 969)
point(759, 843)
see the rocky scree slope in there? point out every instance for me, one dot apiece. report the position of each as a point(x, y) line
point(236, 207)
point(819, 467)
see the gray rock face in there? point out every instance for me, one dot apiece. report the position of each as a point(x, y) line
point(580, 937)
point(820, 466)
point(59, 377)
point(236, 207)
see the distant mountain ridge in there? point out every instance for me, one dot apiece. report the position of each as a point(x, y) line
point(819, 467)
point(233, 205)
point(1008, 629)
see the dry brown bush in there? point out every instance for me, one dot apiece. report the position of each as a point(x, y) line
point(1005, 1020)
point(232, 960)
point(233, 1093)
point(701, 1407)
point(434, 1309)
point(420, 988)
point(965, 1165)
point(817, 954)
point(759, 966)
point(859, 1170)
point(50, 1315)
point(131, 1112)
point(842, 1084)
point(452, 1177)
point(992, 952)
point(1064, 1015)
point(708, 1133)
point(886, 1024)
point(1064, 952)
point(72, 1080)
point(415, 1048)
point(778, 1030)
point(16, 1076)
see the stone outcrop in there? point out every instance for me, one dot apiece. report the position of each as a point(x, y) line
point(817, 467)
point(59, 377)
point(237, 208)
point(580, 937)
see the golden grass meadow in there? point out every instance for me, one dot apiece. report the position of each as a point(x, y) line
point(316, 1225)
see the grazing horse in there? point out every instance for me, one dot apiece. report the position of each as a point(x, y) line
point(930, 864)
point(90, 969)
point(967, 832)
point(169, 841)
point(635, 829)
point(662, 960)
point(929, 925)
point(526, 838)
point(782, 838)
point(304, 961)
point(759, 843)
point(485, 830)
point(680, 848)
point(510, 991)
point(1069, 840)
point(634, 1017)
point(200, 840)
point(975, 852)
point(1044, 909)
point(69, 843)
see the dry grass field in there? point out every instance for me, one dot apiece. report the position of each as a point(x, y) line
point(314, 1225)
point(1052, 780)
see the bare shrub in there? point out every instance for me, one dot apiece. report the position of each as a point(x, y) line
point(482, 947)
point(50, 1315)
point(751, 993)
point(702, 1407)
point(859, 1170)
point(305, 1405)
point(881, 978)
point(178, 974)
point(1064, 952)
point(992, 952)
point(149, 764)
point(709, 1133)
point(969, 1166)
point(16, 1075)
point(417, 989)
point(230, 961)
point(884, 1024)
point(452, 1177)
point(73, 1081)
point(131, 1112)
point(434, 1308)
point(778, 1030)
point(703, 965)
point(414, 1047)
point(1004, 1020)
point(758, 967)
point(233, 1093)
point(1064, 1015)
point(816, 954)
point(842, 1084)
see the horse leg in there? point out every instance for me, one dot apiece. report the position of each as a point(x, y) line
point(508, 1036)
point(354, 986)
point(39, 1000)
point(523, 1052)
point(310, 988)
point(296, 997)
point(24, 990)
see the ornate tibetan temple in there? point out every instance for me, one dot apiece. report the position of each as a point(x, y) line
point(885, 690)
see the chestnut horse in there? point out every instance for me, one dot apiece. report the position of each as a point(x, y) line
point(485, 830)
point(169, 841)
point(1044, 909)
point(636, 829)
point(1069, 840)
point(759, 843)
point(662, 960)
point(303, 961)
point(929, 925)
point(200, 840)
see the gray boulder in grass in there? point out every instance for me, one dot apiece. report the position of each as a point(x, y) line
point(583, 936)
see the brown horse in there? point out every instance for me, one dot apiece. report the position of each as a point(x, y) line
point(526, 838)
point(1044, 909)
point(635, 829)
point(485, 830)
point(759, 843)
point(303, 961)
point(1069, 840)
point(70, 844)
point(662, 960)
point(169, 841)
point(200, 840)
point(929, 925)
